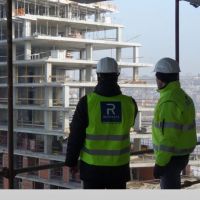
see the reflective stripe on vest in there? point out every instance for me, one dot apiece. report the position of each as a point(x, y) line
point(107, 137)
point(172, 149)
point(106, 152)
point(174, 125)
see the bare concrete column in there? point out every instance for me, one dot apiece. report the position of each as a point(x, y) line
point(48, 120)
point(89, 56)
point(135, 60)
point(89, 51)
point(27, 28)
point(118, 54)
point(48, 99)
point(138, 121)
point(48, 72)
point(82, 75)
point(27, 50)
point(65, 96)
point(47, 144)
point(48, 90)
point(89, 74)
point(66, 123)
point(66, 31)
point(69, 11)
point(119, 34)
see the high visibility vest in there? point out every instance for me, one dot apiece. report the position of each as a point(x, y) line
point(173, 127)
point(107, 140)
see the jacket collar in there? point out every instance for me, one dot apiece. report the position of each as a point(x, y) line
point(107, 89)
point(170, 86)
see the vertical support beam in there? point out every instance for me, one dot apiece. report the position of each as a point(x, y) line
point(47, 144)
point(89, 51)
point(66, 123)
point(48, 72)
point(48, 97)
point(69, 11)
point(27, 28)
point(48, 90)
point(138, 121)
point(10, 94)
point(89, 56)
point(89, 74)
point(135, 60)
point(27, 50)
point(118, 54)
point(48, 120)
point(119, 34)
point(48, 101)
point(82, 75)
point(177, 30)
point(66, 31)
point(65, 96)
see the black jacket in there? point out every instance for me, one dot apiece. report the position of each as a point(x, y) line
point(77, 137)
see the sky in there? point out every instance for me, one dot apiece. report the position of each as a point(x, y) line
point(152, 24)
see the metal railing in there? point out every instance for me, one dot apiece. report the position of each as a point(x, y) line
point(5, 171)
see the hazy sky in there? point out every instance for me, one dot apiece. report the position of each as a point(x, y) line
point(152, 23)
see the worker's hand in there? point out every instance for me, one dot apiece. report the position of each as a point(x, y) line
point(158, 171)
point(73, 170)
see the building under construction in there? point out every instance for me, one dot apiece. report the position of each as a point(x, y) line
point(56, 46)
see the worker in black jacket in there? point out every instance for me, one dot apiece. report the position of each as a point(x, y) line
point(99, 132)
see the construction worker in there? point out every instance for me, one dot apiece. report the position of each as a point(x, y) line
point(173, 128)
point(99, 132)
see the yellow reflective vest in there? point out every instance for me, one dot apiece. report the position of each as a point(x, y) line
point(173, 127)
point(107, 140)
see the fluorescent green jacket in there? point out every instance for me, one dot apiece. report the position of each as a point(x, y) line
point(107, 135)
point(173, 127)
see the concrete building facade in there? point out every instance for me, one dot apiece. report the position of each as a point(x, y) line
point(55, 43)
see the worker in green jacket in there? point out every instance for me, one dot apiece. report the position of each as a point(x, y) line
point(173, 128)
point(99, 132)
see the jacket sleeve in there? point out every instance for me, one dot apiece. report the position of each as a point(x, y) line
point(77, 132)
point(167, 136)
point(136, 110)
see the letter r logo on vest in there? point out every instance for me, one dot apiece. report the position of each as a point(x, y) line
point(111, 109)
point(111, 112)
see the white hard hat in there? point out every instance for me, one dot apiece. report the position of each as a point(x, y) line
point(166, 66)
point(107, 65)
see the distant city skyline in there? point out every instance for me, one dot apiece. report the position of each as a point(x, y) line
point(152, 23)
